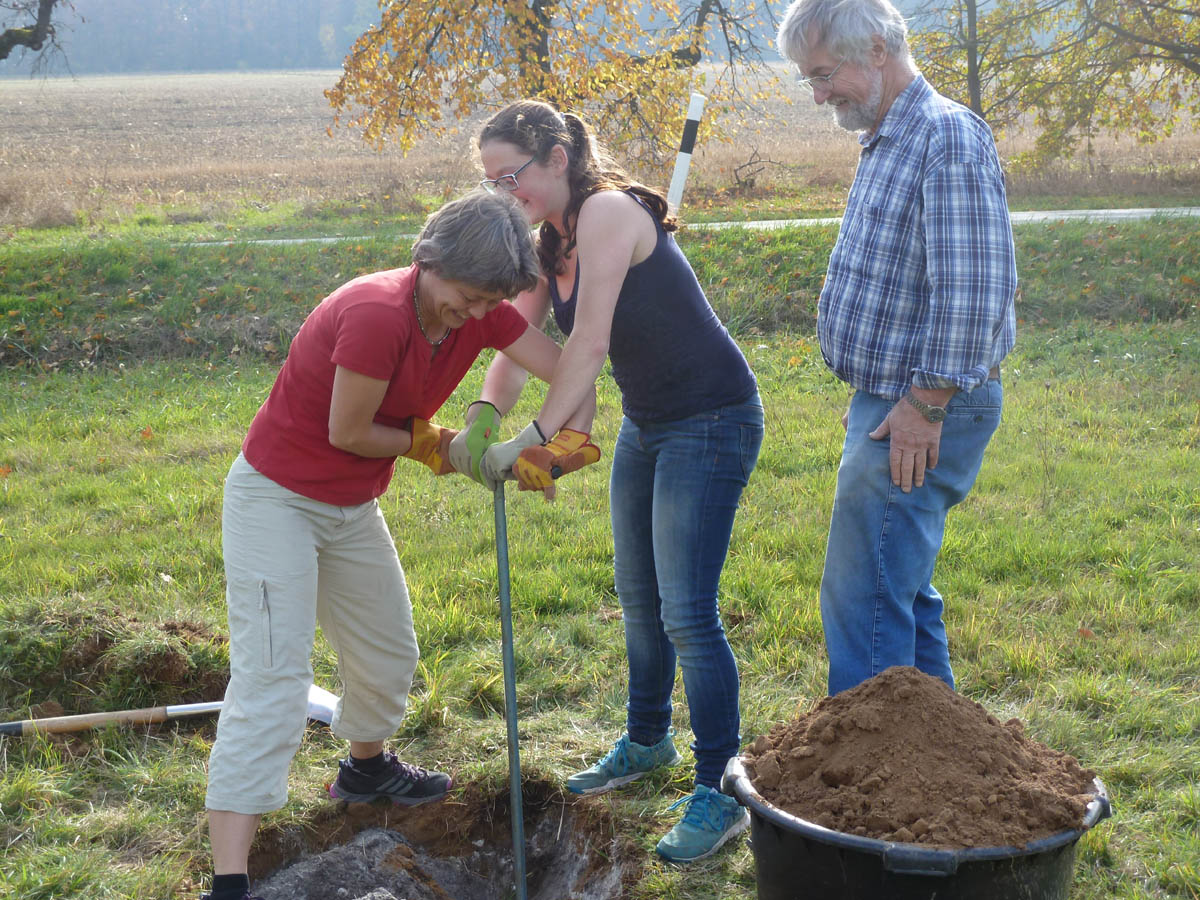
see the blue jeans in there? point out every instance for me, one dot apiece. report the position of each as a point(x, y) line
point(878, 605)
point(674, 491)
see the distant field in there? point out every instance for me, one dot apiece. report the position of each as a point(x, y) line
point(184, 148)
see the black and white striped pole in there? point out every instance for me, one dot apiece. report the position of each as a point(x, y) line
point(686, 144)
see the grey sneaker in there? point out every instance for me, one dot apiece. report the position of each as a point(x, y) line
point(624, 763)
point(711, 819)
point(400, 782)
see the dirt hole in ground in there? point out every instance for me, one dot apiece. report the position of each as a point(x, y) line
point(457, 849)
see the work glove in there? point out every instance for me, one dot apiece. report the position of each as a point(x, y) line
point(431, 446)
point(537, 467)
point(498, 459)
point(482, 430)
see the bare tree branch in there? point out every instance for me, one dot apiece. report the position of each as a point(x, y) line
point(31, 36)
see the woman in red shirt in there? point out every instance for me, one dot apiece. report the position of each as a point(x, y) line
point(303, 537)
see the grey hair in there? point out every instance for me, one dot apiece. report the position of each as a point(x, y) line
point(845, 28)
point(480, 239)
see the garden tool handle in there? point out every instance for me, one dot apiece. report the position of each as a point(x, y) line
point(84, 721)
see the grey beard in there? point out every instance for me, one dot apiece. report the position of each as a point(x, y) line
point(861, 116)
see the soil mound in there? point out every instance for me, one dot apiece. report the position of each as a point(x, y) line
point(902, 757)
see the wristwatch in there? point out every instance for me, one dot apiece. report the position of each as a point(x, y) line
point(931, 413)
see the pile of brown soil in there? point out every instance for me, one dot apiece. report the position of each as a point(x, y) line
point(902, 757)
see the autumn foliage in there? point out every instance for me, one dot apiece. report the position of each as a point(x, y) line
point(628, 67)
point(1071, 69)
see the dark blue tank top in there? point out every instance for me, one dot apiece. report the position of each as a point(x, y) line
point(671, 356)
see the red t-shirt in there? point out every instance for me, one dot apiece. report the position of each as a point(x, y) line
point(369, 326)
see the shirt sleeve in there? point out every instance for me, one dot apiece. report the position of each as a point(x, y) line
point(369, 339)
point(971, 267)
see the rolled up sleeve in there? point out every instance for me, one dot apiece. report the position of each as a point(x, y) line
point(972, 274)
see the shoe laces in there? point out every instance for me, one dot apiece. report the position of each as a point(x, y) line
point(617, 759)
point(408, 770)
point(703, 811)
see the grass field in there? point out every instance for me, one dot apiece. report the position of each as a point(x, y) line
point(1071, 577)
point(249, 151)
point(133, 363)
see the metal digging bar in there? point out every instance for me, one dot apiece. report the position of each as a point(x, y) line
point(510, 695)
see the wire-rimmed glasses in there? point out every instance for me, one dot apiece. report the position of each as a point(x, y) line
point(811, 81)
point(504, 182)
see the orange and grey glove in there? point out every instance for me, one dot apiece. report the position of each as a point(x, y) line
point(498, 460)
point(537, 467)
point(431, 446)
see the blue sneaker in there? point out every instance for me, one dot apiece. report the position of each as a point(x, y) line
point(624, 763)
point(711, 819)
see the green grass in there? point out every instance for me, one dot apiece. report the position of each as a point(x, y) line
point(1071, 572)
point(87, 302)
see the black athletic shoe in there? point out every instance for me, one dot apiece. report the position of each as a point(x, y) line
point(400, 782)
point(244, 897)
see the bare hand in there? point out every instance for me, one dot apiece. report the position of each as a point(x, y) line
point(914, 443)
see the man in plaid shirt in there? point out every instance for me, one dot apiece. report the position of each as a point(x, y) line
point(916, 315)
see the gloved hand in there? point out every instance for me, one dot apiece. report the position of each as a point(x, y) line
point(570, 450)
point(497, 462)
point(431, 446)
point(468, 446)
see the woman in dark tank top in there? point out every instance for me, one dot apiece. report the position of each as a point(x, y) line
point(622, 290)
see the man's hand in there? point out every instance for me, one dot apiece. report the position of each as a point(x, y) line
point(431, 446)
point(481, 431)
point(914, 440)
point(498, 459)
point(570, 450)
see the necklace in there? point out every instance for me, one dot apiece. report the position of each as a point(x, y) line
point(420, 324)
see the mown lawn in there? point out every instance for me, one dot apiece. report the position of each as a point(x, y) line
point(1071, 572)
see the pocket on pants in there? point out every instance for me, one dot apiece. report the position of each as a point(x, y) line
point(264, 622)
point(271, 621)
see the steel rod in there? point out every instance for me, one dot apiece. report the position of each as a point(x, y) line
point(510, 694)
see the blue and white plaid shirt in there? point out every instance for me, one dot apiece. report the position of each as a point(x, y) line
point(923, 276)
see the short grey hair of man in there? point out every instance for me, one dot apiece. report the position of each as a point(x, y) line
point(480, 239)
point(846, 28)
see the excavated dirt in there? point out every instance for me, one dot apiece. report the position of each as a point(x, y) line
point(458, 849)
point(902, 757)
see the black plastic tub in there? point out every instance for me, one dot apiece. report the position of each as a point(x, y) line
point(799, 860)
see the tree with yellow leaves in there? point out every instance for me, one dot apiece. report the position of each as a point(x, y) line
point(1067, 68)
point(627, 66)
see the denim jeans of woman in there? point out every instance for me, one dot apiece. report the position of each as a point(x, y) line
point(674, 492)
point(878, 605)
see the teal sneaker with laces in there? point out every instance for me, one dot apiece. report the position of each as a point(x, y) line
point(711, 819)
point(624, 763)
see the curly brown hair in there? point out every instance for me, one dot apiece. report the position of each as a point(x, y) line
point(536, 127)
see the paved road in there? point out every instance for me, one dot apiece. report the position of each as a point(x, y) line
point(1018, 218)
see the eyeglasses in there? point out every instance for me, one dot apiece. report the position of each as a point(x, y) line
point(504, 182)
point(812, 81)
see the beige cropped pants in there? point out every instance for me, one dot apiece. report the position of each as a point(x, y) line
point(290, 562)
